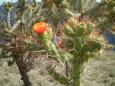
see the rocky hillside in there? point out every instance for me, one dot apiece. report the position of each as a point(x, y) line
point(3, 13)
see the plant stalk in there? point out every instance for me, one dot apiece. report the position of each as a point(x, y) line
point(23, 73)
point(76, 71)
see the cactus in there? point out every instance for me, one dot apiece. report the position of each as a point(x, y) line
point(19, 39)
point(24, 39)
point(55, 10)
point(83, 48)
point(8, 7)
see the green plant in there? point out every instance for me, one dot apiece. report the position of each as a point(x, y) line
point(55, 10)
point(105, 16)
point(18, 39)
point(8, 7)
point(83, 48)
point(23, 42)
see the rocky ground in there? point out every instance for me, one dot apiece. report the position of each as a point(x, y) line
point(100, 71)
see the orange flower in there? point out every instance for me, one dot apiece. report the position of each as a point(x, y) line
point(40, 27)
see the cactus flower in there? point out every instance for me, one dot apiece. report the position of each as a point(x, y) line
point(40, 27)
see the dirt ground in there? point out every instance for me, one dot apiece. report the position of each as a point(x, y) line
point(98, 72)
